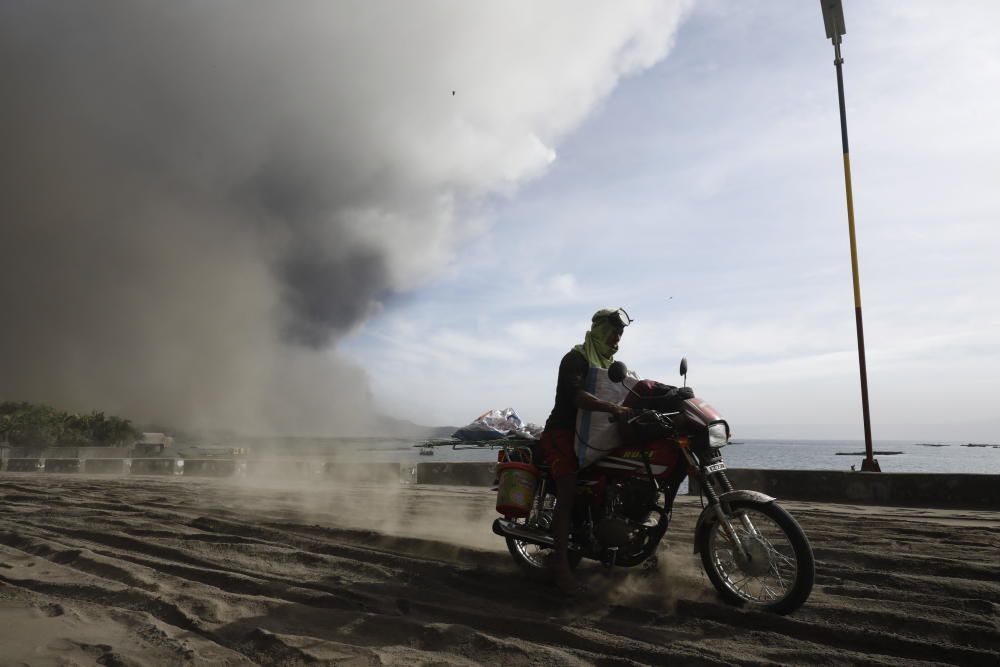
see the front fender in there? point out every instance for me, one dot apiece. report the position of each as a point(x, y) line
point(708, 517)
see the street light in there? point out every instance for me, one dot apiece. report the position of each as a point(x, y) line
point(833, 19)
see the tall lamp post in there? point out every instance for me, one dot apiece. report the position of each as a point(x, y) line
point(833, 18)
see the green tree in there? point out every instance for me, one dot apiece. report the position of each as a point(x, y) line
point(28, 425)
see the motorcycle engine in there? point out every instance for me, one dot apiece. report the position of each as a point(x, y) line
point(627, 506)
point(615, 532)
point(635, 500)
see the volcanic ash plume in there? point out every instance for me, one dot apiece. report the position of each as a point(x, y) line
point(201, 199)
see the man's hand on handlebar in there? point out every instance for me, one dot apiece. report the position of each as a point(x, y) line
point(620, 412)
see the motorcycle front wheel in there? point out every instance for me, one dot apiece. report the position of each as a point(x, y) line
point(776, 573)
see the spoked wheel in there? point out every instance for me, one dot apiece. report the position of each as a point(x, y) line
point(778, 570)
point(537, 561)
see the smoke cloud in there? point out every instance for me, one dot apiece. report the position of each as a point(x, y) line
point(199, 200)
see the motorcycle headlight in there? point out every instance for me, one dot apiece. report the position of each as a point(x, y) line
point(718, 434)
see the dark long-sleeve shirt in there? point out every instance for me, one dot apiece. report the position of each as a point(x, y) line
point(572, 375)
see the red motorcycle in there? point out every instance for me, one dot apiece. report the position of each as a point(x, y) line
point(752, 549)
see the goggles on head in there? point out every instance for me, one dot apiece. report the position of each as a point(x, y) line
point(618, 318)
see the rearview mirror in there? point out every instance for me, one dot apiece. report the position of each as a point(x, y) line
point(617, 371)
point(684, 366)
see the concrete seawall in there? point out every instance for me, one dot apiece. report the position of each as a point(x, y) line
point(966, 491)
point(458, 474)
point(951, 490)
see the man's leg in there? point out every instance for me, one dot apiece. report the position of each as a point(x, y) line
point(565, 494)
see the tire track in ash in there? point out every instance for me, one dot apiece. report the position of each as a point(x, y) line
point(449, 593)
point(250, 572)
point(165, 612)
point(439, 613)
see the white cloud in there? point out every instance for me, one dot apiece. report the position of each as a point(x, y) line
point(716, 178)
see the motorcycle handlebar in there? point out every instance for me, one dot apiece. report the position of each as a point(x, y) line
point(638, 412)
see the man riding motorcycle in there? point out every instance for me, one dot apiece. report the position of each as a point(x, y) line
point(597, 350)
point(753, 551)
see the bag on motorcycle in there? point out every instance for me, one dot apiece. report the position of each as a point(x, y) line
point(596, 437)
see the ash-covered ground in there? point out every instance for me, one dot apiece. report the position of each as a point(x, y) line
point(175, 571)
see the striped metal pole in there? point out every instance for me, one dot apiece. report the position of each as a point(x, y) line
point(833, 15)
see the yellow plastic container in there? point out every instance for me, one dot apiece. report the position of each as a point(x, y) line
point(516, 489)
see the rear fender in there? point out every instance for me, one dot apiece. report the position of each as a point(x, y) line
point(708, 518)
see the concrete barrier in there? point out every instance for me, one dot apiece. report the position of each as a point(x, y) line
point(458, 474)
point(212, 467)
point(9, 452)
point(62, 465)
point(966, 491)
point(408, 473)
point(105, 452)
point(66, 452)
point(106, 466)
point(160, 466)
point(956, 491)
point(284, 468)
point(24, 465)
point(366, 472)
point(58, 453)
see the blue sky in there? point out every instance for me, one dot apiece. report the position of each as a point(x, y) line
point(705, 194)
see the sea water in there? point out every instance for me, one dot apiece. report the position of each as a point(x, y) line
point(842, 454)
point(931, 457)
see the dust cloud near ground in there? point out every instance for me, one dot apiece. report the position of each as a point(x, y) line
point(175, 571)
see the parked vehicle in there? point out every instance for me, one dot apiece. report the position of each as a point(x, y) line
point(754, 552)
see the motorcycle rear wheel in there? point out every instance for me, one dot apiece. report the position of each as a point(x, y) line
point(780, 572)
point(537, 562)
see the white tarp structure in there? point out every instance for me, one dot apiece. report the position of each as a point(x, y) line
point(496, 424)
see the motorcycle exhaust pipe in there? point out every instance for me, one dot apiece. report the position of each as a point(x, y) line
point(505, 528)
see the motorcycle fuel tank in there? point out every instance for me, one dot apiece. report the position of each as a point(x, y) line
point(700, 411)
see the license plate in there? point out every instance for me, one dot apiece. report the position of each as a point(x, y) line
point(715, 467)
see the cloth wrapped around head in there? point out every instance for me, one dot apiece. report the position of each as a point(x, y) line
point(596, 347)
